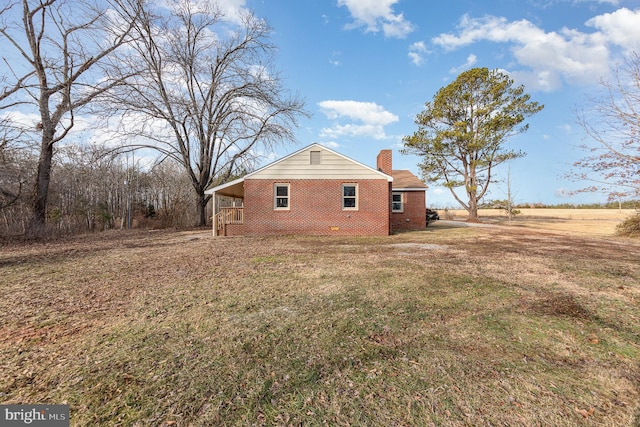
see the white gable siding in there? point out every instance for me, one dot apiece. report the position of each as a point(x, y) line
point(332, 166)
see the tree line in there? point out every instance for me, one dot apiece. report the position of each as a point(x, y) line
point(91, 190)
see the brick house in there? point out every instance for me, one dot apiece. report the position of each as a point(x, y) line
point(317, 191)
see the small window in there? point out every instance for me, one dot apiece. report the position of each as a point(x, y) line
point(281, 196)
point(350, 196)
point(396, 202)
point(315, 157)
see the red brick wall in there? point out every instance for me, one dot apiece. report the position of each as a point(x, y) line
point(235, 230)
point(384, 162)
point(414, 211)
point(316, 208)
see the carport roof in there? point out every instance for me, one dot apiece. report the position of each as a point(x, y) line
point(233, 188)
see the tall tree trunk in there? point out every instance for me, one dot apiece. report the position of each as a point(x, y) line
point(472, 194)
point(202, 208)
point(41, 187)
point(473, 208)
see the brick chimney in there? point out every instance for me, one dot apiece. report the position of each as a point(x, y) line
point(384, 162)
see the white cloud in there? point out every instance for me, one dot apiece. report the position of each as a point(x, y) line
point(367, 112)
point(552, 57)
point(356, 130)
point(330, 144)
point(471, 61)
point(232, 9)
point(84, 128)
point(367, 119)
point(20, 119)
point(566, 128)
point(378, 15)
point(396, 26)
point(619, 27)
point(334, 59)
point(416, 58)
point(416, 52)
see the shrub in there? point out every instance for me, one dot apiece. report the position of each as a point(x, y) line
point(630, 227)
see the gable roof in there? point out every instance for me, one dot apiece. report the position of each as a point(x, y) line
point(296, 165)
point(333, 165)
point(405, 180)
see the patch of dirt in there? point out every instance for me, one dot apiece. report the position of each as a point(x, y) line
point(561, 306)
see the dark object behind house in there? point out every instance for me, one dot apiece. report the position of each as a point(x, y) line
point(432, 216)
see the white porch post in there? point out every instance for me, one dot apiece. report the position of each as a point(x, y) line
point(214, 220)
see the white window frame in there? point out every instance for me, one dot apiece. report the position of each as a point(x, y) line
point(276, 197)
point(393, 202)
point(355, 197)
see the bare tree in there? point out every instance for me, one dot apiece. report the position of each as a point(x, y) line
point(63, 51)
point(209, 98)
point(510, 210)
point(87, 189)
point(171, 195)
point(12, 177)
point(611, 119)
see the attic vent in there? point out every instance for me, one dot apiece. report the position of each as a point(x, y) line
point(315, 157)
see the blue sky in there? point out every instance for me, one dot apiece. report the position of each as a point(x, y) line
point(366, 68)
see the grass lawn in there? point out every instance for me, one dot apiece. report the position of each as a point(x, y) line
point(451, 326)
point(591, 222)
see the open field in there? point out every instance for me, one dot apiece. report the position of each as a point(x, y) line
point(452, 326)
point(595, 222)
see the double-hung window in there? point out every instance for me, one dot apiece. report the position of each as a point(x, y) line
point(397, 204)
point(349, 196)
point(281, 197)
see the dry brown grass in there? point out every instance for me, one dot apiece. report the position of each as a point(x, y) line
point(593, 222)
point(450, 326)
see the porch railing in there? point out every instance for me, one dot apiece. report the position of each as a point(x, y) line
point(228, 216)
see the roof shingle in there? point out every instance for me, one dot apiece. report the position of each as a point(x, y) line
point(405, 179)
